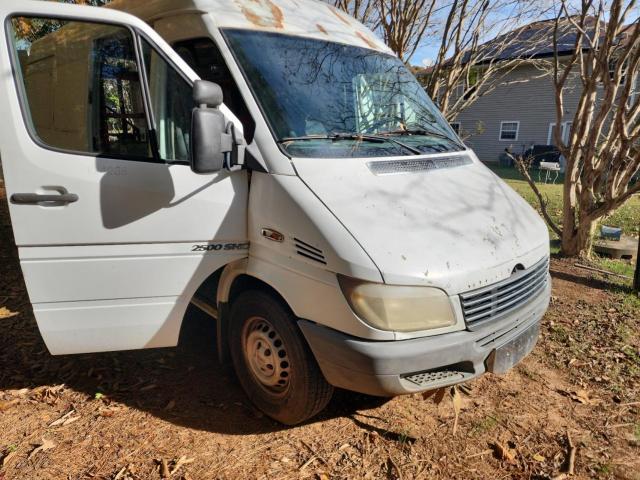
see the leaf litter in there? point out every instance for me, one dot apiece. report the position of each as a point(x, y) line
point(521, 411)
point(45, 445)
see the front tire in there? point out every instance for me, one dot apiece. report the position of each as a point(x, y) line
point(271, 358)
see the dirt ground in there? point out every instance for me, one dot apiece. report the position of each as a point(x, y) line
point(177, 413)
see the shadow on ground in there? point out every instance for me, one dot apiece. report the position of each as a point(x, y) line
point(591, 282)
point(184, 385)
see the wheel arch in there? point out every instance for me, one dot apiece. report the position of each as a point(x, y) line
point(235, 279)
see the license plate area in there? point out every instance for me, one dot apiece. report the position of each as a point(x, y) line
point(505, 357)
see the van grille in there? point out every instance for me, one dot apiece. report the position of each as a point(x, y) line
point(490, 303)
point(309, 251)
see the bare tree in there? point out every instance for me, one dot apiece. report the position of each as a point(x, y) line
point(602, 152)
point(467, 66)
point(401, 23)
point(404, 24)
point(365, 11)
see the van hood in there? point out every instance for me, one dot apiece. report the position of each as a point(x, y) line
point(440, 220)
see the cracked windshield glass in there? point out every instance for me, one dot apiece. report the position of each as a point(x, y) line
point(325, 99)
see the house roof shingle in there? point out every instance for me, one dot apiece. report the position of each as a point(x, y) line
point(534, 40)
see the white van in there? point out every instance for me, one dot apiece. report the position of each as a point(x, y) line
point(306, 193)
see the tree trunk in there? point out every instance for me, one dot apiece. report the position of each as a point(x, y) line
point(576, 241)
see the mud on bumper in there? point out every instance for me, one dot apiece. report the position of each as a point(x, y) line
point(408, 366)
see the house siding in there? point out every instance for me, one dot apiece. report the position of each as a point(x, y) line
point(522, 96)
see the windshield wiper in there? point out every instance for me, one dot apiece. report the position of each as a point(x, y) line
point(352, 136)
point(425, 132)
point(335, 136)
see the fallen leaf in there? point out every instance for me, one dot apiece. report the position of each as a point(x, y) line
point(170, 405)
point(5, 459)
point(457, 406)
point(62, 419)
point(164, 469)
point(125, 473)
point(465, 388)
point(99, 396)
point(148, 387)
point(48, 394)
point(312, 459)
point(438, 395)
point(504, 453)
point(4, 406)
point(120, 474)
point(539, 458)
point(43, 447)
point(183, 460)
point(107, 412)
point(374, 437)
point(70, 420)
point(6, 313)
point(19, 393)
point(580, 396)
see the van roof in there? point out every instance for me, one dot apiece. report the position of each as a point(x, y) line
point(308, 18)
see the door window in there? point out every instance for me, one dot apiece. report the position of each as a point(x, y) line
point(81, 86)
point(172, 104)
point(205, 58)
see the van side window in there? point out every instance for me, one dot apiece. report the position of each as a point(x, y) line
point(81, 86)
point(171, 103)
point(206, 60)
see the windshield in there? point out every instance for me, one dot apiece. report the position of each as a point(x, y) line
point(325, 99)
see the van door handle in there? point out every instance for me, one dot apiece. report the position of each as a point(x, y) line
point(35, 198)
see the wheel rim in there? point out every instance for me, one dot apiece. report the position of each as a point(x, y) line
point(266, 356)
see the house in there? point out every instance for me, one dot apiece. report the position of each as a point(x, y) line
point(518, 110)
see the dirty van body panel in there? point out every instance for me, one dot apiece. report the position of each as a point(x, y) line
point(114, 269)
point(414, 365)
point(457, 228)
point(301, 17)
point(315, 246)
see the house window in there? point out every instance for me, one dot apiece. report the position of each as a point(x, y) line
point(633, 92)
point(509, 130)
point(467, 86)
point(564, 132)
point(459, 90)
point(613, 64)
point(455, 126)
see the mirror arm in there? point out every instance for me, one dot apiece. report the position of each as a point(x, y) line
point(237, 151)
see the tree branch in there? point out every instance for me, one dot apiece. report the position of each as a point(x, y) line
point(523, 168)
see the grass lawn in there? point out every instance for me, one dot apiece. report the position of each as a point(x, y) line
point(627, 217)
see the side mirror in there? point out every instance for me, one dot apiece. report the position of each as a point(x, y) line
point(214, 142)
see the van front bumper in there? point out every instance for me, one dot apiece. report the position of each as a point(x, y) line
point(388, 368)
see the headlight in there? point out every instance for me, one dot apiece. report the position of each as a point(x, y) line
point(394, 307)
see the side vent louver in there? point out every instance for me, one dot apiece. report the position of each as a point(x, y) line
point(307, 251)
